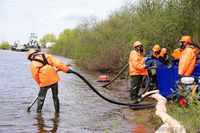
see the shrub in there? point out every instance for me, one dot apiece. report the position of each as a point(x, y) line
point(5, 45)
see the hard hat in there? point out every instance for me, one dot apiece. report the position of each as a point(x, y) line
point(30, 52)
point(156, 47)
point(164, 50)
point(137, 43)
point(186, 39)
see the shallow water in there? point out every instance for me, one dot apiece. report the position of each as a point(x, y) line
point(81, 110)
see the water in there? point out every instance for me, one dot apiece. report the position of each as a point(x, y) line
point(81, 110)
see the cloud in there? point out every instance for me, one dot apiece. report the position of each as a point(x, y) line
point(74, 14)
point(21, 17)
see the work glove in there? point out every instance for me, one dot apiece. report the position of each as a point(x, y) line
point(69, 71)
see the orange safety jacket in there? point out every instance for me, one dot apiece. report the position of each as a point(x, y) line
point(177, 53)
point(187, 61)
point(136, 64)
point(43, 71)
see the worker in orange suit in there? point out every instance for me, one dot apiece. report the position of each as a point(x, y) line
point(154, 61)
point(188, 57)
point(176, 54)
point(137, 69)
point(44, 72)
point(156, 51)
point(164, 58)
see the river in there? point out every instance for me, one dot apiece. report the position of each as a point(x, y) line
point(81, 110)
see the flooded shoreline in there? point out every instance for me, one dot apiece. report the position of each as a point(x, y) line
point(81, 110)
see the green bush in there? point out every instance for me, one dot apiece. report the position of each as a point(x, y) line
point(106, 44)
point(5, 45)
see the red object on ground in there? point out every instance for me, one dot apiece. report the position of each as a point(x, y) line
point(139, 129)
point(182, 101)
point(103, 78)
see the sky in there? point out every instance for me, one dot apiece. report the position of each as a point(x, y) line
point(20, 18)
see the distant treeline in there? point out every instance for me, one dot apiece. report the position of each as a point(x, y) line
point(5, 45)
point(105, 45)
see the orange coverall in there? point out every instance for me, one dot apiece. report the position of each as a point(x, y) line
point(47, 75)
point(187, 61)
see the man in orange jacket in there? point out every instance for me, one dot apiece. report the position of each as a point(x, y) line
point(136, 69)
point(43, 71)
point(164, 58)
point(154, 61)
point(188, 57)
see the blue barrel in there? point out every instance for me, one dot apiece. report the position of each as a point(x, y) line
point(165, 80)
point(196, 72)
point(175, 77)
point(198, 87)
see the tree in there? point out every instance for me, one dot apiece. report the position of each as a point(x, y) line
point(65, 42)
point(106, 44)
point(190, 18)
point(47, 38)
point(5, 45)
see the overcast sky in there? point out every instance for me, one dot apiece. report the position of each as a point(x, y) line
point(19, 18)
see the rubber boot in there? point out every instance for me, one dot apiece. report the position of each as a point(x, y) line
point(135, 83)
point(41, 98)
point(133, 93)
point(54, 89)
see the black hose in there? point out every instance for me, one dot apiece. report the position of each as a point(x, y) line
point(123, 69)
point(132, 106)
point(147, 77)
point(146, 88)
point(195, 45)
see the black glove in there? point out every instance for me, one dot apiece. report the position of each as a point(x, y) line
point(69, 71)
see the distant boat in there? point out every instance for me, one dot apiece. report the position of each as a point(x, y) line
point(18, 46)
point(32, 44)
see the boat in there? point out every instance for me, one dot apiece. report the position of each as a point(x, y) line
point(32, 44)
point(18, 46)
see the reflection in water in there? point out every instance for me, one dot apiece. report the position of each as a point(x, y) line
point(44, 128)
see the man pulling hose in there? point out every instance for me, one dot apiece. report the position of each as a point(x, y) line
point(44, 64)
point(44, 73)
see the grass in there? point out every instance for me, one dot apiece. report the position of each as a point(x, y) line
point(188, 116)
point(149, 119)
point(114, 127)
